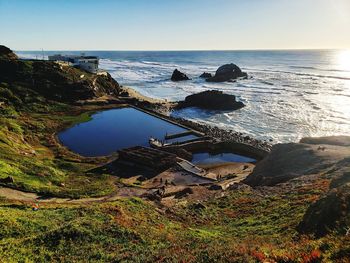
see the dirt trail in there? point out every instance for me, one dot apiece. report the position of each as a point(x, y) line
point(16, 195)
point(181, 179)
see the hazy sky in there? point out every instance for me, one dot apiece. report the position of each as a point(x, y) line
point(174, 24)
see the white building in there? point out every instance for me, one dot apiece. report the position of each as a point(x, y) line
point(87, 63)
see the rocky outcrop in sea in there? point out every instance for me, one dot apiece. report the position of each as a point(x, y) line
point(228, 72)
point(179, 76)
point(211, 100)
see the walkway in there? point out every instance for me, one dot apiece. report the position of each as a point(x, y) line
point(191, 168)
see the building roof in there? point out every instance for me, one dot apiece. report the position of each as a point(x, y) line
point(86, 57)
point(75, 56)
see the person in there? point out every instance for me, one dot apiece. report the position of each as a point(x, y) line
point(35, 207)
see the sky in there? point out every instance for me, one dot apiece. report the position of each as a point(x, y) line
point(174, 24)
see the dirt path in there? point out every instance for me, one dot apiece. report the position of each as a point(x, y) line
point(16, 195)
point(181, 179)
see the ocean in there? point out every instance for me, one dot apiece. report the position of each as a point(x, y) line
point(289, 95)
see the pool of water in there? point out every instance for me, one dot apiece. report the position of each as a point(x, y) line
point(206, 157)
point(112, 130)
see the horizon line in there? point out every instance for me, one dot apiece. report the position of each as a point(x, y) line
point(181, 50)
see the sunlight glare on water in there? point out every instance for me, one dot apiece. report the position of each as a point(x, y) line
point(343, 102)
point(343, 60)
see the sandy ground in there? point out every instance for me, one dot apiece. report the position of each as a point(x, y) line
point(229, 173)
point(175, 177)
point(158, 105)
point(134, 94)
point(225, 169)
point(178, 177)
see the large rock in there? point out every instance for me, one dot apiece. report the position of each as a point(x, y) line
point(292, 160)
point(178, 76)
point(228, 72)
point(212, 100)
point(6, 53)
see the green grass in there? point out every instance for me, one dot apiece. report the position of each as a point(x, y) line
point(133, 230)
point(240, 226)
point(27, 157)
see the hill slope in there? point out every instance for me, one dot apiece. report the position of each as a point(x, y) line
point(36, 100)
point(297, 191)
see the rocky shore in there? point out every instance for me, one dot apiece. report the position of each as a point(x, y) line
point(164, 110)
point(223, 134)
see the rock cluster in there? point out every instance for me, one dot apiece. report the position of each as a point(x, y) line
point(224, 135)
point(228, 72)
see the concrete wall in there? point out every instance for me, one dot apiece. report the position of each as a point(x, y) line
point(88, 66)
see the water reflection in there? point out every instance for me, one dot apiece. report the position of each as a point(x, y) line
point(111, 130)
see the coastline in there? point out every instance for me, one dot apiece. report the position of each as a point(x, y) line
point(163, 109)
point(137, 95)
point(106, 198)
point(276, 107)
point(226, 140)
point(175, 131)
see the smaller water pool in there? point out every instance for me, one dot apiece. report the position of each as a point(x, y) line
point(206, 157)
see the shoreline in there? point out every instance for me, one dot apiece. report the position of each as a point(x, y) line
point(160, 109)
point(163, 109)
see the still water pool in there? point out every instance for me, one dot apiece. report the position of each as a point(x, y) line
point(201, 158)
point(112, 130)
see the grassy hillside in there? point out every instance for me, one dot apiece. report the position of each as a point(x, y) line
point(30, 115)
point(30, 155)
point(241, 224)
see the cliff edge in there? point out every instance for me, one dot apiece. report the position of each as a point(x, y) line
point(52, 80)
